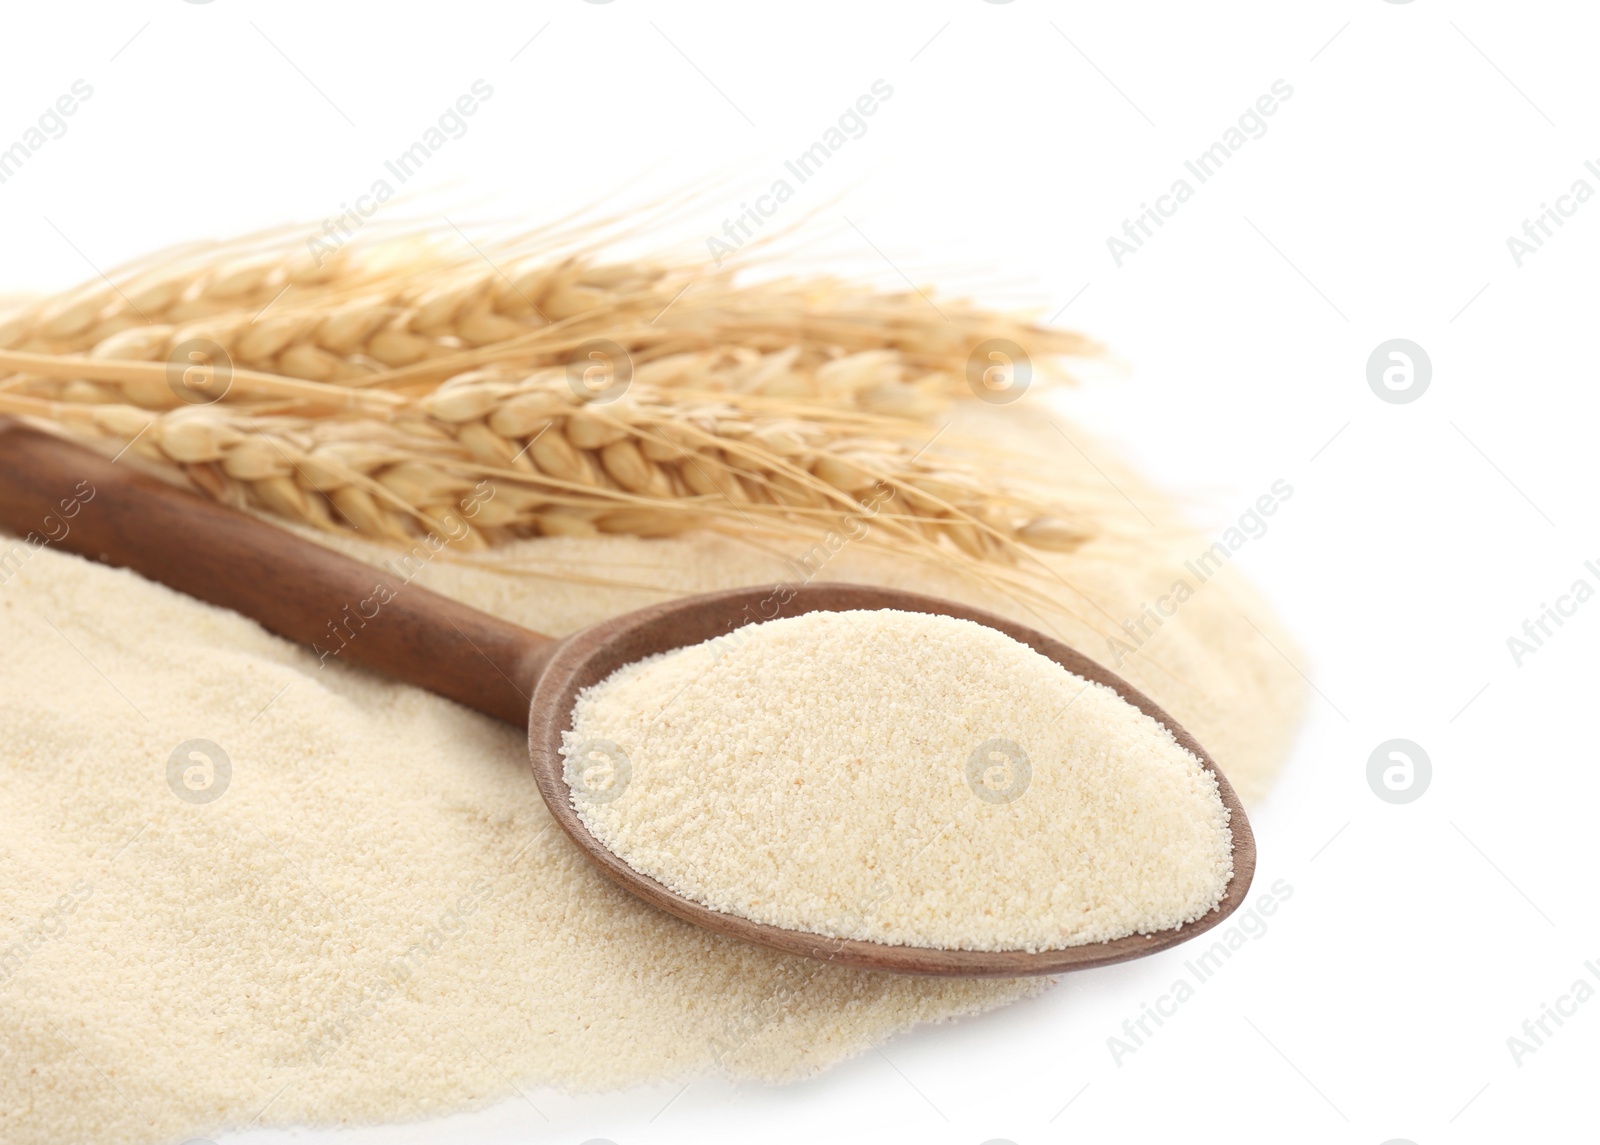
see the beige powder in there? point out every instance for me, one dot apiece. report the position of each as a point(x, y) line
point(873, 774)
point(185, 987)
point(375, 921)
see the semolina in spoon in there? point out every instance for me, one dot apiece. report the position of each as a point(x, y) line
point(77, 500)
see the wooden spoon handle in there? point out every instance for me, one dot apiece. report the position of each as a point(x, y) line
point(55, 493)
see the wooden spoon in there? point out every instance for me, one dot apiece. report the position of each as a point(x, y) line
point(74, 499)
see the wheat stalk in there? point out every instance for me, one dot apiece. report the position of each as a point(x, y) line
point(498, 458)
point(400, 391)
point(403, 314)
point(172, 288)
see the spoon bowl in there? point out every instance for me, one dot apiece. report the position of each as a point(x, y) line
point(590, 656)
point(53, 492)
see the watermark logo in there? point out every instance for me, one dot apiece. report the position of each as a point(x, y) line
point(1544, 1025)
point(741, 227)
point(14, 557)
point(199, 771)
point(199, 371)
point(999, 371)
point(598, 770)
point(1551, 218)
point(1539, 629)
point(1399, 771)
point(852, 526)
point(51, 124)
point(48, 927)
point(1247, 926)
point(600, 371)
point(998, 771)
point(1251, 124)
point(451, 124)
point(450, 527)
point(1251, 525)
point(1399, 371)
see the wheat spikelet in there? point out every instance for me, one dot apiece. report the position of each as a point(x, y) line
point(400, 390)
point(405, 315)
point(515, 457)
point(173, 289)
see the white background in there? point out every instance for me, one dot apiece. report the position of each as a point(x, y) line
point(1019, 137)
